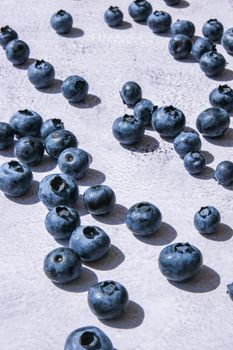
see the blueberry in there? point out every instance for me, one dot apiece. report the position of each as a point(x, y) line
point(60, 222)
point(179, 262)
point(113, 16)
point(17, 52)
point(90, 242)
point(212, 63)
point(207, 220)
point(128, 130)
point(88, 338)
point(187, 141)
point(41, 74)
point(26, 123)
point(61, 22)
point(143, 111)
point(139, 10)
point(58, 190)
point(74, 162)
point(180, 46)
point(15, 178)
point(230, 290)
point(213, 30)
point(227, 41)
point(159, 22)
point(58, 141)
point(168, 121)
point(194, 162)
point(224, 173)
point(131, 93)
point(62, 265)
point(7, 34)
point(108, 299)
point(74, 89)
point(183, 27)
point(222, 97)
point(172, 2)
point(99, 200)
point(29, 150)
point(213, 122)
point(49, 126)
point(6, 135)
point(201, 46)
point(143, 219)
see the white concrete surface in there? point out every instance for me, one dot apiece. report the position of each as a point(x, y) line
point(35, 314)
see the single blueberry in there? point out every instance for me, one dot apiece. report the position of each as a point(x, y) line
point(227, 41)
point(230, 290)
point(224, 173)
point(17, 52)
point(29, 150)
point(62, 265)
point(41, 74)
point(61, 22)
point(168, 121)
point(172, 2)
point(128, 130)
point(131, 93)
point(201, 46)
point(58, 141)
point(140, 10)
point(108, 299)
point(58, 190)
point(99, 200)
point(74, 162)
point(179, 262)
point(207, 220)
point(213, 122)
point(159, 22)
point(213, 30)
point(6, 135)
point(49, 126)
point(187, 141)
point(183, 27)
point(113, 16)
point(143, 111)
point(26, 123)
point(7, 34)
point(180, 46)
point(15, 178)
point(222, 97)
point(75, 88)
point(194, 162)
point(212, 63)
point(91, 243)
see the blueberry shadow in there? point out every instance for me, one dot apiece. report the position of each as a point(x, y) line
point(147, 145)
point(224, 141)
point(89, 102)
point(30, 197)
point(110, 261)
point(206, 281)
point(163, 35)
point(55, 88)
point(45, 165)
point(167, 139)
point(227, 75)
point(189, 59)
point(208, 157)
point(115, 217)
point(74, 33)
point(132, 317)
point(25, 65)
point(80, 206)
point(87, 279)
point(224, 233)
point(124, 25)
point(92, 178)
point(8, 152)
point(207, 174)
point(183, 4)
point(164, 235)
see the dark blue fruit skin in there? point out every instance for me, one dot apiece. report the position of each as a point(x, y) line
point(183, 27)
point(62, 265)
point(222, 97)
point(159, 22)
point(194, 162)
point(60, 222)
point(90, 242)
point(131, 93)
point(88, 338)
point(7, 34)
point(213, 30)
point(41, 74)
point(113, 16)
point(179, 262)
point(61, 22)
point(29, 150)
point(201, 46)
point(74, 162)
point(168, 121)
point(108, 299)
point(207, 220)
point(58, 190)
point(26, 123)
point(213, 122)
point(230, 290)
point(187, 141)
point(143, 111)
point(128, 130)
point(15, 178)
point(58, 141)
point(227, 41)
point(75, 88)
point(172, 2)
point(143, 219)
point(50, 126)
point(17, 52)
point(212, 63)
point(99, 200)
point(6, 135)
point(180, 46)
point(224, 173)
point(139, 10)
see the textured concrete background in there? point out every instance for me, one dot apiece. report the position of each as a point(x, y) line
point(35, 314)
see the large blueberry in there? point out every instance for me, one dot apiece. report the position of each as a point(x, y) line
point(26, 123)
point(213, 30)
point(139, 10)
point(41, 74)
point(159, 22)
point(187, 141)
point(207, 220)
point(113, 16)
point(180, 46)
point(17, 52)
point(213, 122)
point(227, 41)
point(7, 34)
point(108, 299)
point(194, 162)
point(168, 121)
point(224, 173)
point(128, 130)
point(74, 162)
point(61, 22)
point(143, 111)
point(29, 150)
point(15, 178)
point(212, 63)
point(75, 88)
point(91, 243)
point(131, 93)
point(58, 190)
point(222, 97)
point(179, 262)
point(49, 126)
point(6, 135)
point(183, 27)
point(99, 200)
point(230, 290)
point(58, 141)
point(201, 46)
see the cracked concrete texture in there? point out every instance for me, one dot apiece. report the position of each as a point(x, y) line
point(35, 314)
